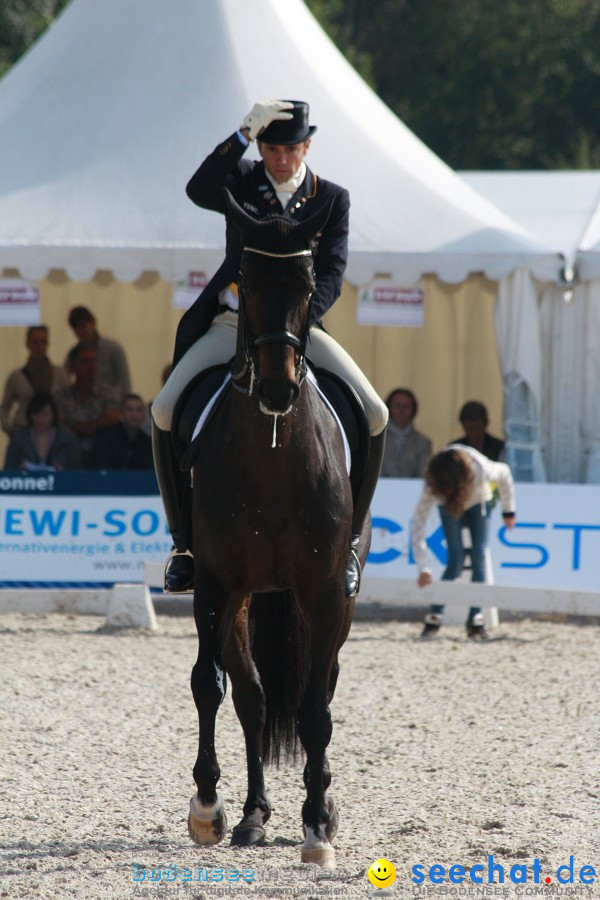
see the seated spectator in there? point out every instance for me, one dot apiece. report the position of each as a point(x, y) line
point(87, 404)
point(38, 374)
point(407, 451)
point(43, 444)
point(474, 419)
point(113, 369)
point(124, 445)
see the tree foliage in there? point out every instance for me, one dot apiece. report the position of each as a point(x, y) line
point(21, 22)
point(485, 85)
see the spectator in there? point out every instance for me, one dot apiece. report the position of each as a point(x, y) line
point(113, 369)
point(474, 420)
point(87, 404)
point(459, 480)
point(407, 451)
point(124, 445)
point(43, 444)
point(38, 374)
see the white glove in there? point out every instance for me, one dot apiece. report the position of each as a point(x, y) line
point(262, 114)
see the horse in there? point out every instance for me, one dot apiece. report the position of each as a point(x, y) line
point(272, 512)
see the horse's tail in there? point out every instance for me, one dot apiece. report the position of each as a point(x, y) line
point(278, 642)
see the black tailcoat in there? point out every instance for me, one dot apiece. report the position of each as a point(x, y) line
point(252, 190)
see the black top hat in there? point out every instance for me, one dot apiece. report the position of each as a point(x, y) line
point(289, 131)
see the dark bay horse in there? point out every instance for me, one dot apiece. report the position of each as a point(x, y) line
point(272, 510)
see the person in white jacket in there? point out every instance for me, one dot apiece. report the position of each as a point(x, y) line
point(459, 480)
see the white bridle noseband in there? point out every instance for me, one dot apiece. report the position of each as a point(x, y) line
point(277, 255)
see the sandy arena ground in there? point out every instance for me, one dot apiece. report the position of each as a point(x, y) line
point(443, 752)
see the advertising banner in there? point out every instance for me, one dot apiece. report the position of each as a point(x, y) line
point(555, 543)
point(91, 529)
point(80, 529)
point(186, 292)
point(383, 303)
point(19, 302)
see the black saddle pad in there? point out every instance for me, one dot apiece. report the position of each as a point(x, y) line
point(351, 414)
point(201, 389)
point(188, 409)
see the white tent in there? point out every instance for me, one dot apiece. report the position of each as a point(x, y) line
point(111, 111)
point(587, 297)
point(561, 208)
point(588, 249)
point(117, 100)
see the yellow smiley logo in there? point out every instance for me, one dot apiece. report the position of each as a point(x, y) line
point(381, 873)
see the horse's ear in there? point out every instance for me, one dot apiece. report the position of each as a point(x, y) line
point(240, 218)
point(311, 227)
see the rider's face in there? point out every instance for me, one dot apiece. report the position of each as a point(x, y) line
point(282, 161)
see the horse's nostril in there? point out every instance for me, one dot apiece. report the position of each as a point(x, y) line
point(277, 396)
point(261, 393)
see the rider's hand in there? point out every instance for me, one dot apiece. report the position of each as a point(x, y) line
point(262, 114)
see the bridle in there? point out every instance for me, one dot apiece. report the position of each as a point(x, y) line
point(250, 344)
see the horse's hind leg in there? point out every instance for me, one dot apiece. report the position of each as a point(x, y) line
point(249, 701)
point(206, 822)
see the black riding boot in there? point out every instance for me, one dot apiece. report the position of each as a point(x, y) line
point(175, 493)
point(362, 501)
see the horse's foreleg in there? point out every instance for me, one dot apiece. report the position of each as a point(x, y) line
point(314, 728)
point(249, 701)
point(319, 816)
point(206, 822)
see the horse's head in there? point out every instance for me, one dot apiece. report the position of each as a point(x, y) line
point(276, 282)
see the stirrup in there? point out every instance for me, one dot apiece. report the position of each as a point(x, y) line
point(353, 573)
point(183, 581)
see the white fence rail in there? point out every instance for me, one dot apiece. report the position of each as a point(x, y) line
point(392, 592)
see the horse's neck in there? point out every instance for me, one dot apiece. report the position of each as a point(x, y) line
point(303, 437)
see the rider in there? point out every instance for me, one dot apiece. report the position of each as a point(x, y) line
point(280, 184)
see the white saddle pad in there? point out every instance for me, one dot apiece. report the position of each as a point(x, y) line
point(311, 377)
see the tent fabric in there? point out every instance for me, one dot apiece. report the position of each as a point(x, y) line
point(562, 328)
point(549, 334)
point(590, 412)
point(452, 358)
point(519, 346)
point(588, 254)
point(570, 376)
point(559, 208)
point(110, 112)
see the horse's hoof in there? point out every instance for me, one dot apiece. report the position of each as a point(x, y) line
point(332, 825)
point(248, 836)
point(320, 856)
point(207, 825)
